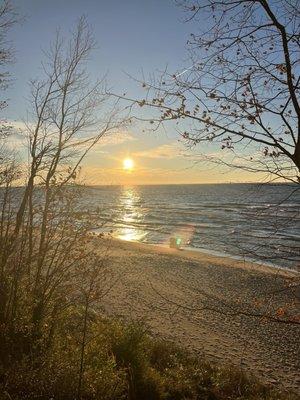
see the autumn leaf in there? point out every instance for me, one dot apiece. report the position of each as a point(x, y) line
point(280, 312)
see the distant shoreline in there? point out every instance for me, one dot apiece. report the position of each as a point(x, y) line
point(288, 183)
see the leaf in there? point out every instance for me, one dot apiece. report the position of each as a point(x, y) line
point(280, 312)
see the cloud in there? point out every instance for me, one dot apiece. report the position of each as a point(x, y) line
point(20, 126)
point(101, 147)
point(16, 140)
point(18, 137)
point(167, 151)
point(114, 139)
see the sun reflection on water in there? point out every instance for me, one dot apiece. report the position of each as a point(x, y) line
point(131, 215)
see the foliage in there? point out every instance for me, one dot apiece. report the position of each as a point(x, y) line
point(53, 343)
point(123, 362)
point(45, 265)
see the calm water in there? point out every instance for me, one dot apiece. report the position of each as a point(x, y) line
point(260, 222)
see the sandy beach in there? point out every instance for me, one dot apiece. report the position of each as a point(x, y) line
point(194, 299)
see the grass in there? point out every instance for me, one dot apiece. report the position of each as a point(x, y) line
point(122, 361)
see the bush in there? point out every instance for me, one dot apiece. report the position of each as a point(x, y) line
point(121, 361)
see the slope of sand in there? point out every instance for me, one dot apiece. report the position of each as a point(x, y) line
point(191, 299)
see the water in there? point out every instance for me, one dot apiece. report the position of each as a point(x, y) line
point(259, 222)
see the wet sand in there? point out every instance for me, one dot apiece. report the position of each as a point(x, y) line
point(195, 299)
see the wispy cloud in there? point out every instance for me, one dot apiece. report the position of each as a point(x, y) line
point(104, 144)
point(16, 140)
point(167, 151)
point(114, 139)
point(18, 137)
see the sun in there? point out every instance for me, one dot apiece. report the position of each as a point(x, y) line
point(128, 164)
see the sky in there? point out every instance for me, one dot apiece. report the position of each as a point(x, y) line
point(132, 36)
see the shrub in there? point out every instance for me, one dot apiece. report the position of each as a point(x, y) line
point(121, 361)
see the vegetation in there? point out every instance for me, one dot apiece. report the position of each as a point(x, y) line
point(121, 362)
point(53, 342)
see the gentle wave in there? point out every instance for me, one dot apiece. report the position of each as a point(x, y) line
point(226, 218)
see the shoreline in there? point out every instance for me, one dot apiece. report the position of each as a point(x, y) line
point(209, 256)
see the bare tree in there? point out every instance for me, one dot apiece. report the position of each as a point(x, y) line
point(8, 18)
point(240, 88)
point(43, 235)
point(64, 109)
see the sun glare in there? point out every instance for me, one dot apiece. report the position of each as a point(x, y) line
point(128, 164)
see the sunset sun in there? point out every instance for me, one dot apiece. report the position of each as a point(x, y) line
point(128, 164)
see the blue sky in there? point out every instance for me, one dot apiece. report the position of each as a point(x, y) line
point(132, 36)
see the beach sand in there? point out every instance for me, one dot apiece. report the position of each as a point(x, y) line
point(191, 298)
